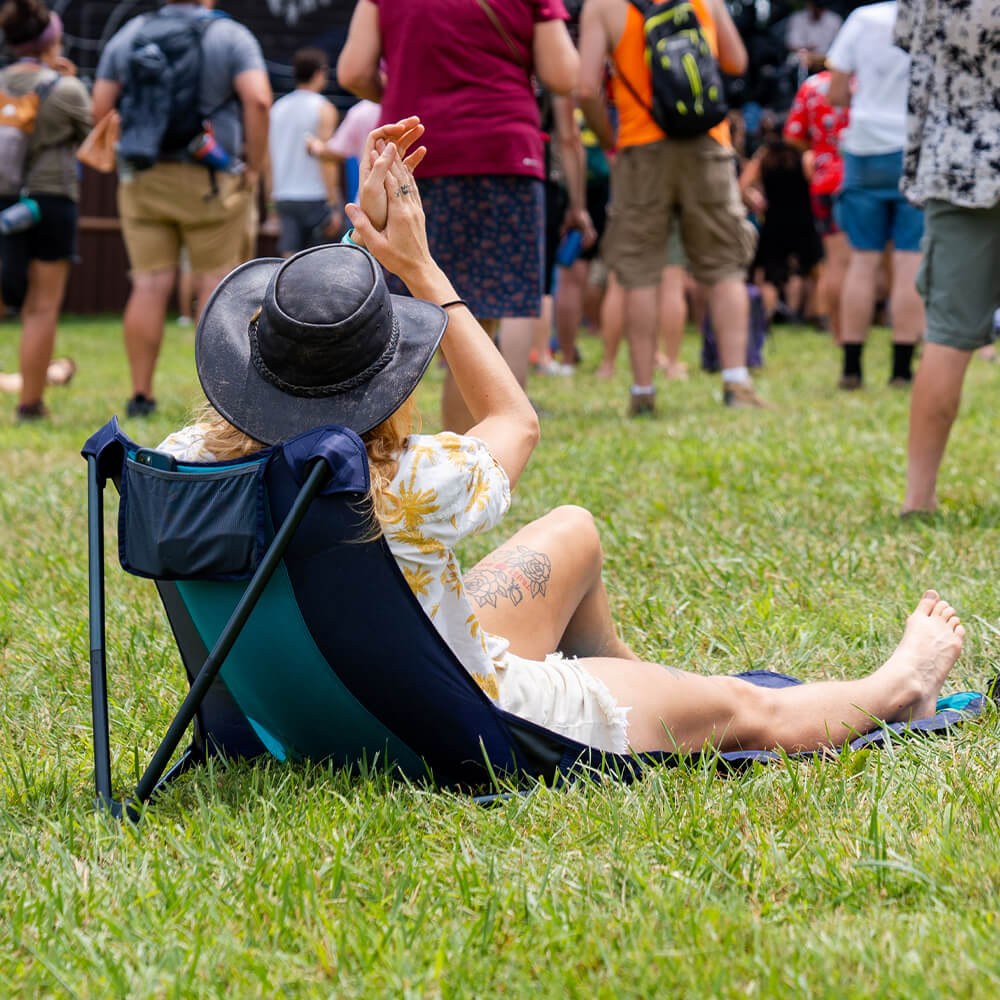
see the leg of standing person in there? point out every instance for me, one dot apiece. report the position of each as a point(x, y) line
point(39, 320)
point(907, 312)
point(959, 281)
point(857, 306)
point(836, 255)
point(612, 325)
point(143, 323)
point(673, 317)
point(571, 285)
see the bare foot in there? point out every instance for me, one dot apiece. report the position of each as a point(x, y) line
point(676, 370)
point(606, 369)
point(924, 657)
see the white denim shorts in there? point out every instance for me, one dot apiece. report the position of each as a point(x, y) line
point(559, 694)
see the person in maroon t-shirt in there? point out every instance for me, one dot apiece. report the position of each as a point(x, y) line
point(465, 67)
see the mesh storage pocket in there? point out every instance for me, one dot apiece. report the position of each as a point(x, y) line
point(191, 525)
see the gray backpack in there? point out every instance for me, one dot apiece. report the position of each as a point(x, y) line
point(18, 115)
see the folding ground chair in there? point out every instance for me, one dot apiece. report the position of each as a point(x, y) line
point(298, 632)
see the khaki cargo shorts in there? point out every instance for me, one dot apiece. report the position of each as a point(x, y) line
point(695, 177)
point(172, 205)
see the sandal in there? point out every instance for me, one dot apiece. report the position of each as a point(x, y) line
point(29, 412)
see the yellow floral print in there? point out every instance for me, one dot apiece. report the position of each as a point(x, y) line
point(419, 580)
point(415, 540)
point(416, 505)
point(489, 685)
point(452, 576)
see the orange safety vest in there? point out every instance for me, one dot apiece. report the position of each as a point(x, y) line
point(635, 124)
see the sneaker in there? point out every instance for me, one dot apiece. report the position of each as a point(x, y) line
point(850, 383)
point(742, 395)
point(60, 371)
point(643, 405)
point(29, 412)
point(184, 320)
point(140, 406)
point(900, 382)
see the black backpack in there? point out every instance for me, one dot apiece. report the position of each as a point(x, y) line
point(688, 93)
point(160, 105)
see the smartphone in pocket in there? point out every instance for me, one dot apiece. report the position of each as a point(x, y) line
point(156, 459)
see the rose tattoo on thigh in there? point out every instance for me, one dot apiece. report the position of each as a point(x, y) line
point(509, 574)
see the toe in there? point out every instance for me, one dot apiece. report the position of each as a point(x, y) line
point(960, 631)
point(939, 609)
point(927, 602)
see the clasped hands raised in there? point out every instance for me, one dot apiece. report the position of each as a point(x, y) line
point(388, 217)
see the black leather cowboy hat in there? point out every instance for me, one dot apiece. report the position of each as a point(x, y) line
point(287, 345)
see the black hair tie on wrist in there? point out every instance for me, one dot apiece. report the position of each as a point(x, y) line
point(455, 302)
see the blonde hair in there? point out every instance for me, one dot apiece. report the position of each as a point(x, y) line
point(384, 445)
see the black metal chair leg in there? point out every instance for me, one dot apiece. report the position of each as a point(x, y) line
point(98, 655)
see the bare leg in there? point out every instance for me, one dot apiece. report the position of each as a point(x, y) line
point(186, 303)
point(39, 319)
point(569, 308)
point(674, 710)
point(455, 414)
point(937, 390)
point(857, 303)
point(145, 315)
point(906, 306)
point(837, 253)
point(673, 316)
point(640, 325)
point(729, 306)
point(516, 338)
point(543, 591)
point(612, 325)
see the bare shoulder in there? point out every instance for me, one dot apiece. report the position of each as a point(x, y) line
point(609, 15)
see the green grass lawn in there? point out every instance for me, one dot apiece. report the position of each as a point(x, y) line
point(734, 540)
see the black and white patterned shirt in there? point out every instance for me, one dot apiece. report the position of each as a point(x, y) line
point(953, 113)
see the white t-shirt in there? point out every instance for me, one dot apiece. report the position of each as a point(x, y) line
point(803, 32)
point(881, 79)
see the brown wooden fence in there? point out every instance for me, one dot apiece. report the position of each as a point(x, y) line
point(99, 281)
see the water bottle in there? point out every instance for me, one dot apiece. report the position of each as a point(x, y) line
point(21, 215)
point(569, 248)
point(207, 151)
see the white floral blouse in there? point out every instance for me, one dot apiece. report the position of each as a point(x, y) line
point(447, 487)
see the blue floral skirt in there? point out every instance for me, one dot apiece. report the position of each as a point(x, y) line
point(487, 234)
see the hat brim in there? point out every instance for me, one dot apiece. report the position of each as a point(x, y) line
point(249, 402)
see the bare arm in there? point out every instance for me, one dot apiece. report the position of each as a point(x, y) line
point(504, 418)
point(253, 88)
point(357, 67)
point(105, 97)
point(732, 51)
point(574, 165)
point(330, 168)
point(593, 55)
point(556, 61)
point(839, 94)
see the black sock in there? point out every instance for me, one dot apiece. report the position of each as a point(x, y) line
point(902, 361)
point(852, 359)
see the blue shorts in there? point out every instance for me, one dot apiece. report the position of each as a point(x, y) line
point(870, 208)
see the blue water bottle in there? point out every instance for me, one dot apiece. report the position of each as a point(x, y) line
point(21, 215)
point(569, 248)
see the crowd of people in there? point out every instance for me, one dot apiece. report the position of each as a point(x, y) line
point(537, 165)
point(554, 193)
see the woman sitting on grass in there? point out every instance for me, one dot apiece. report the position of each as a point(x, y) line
point(287, 346)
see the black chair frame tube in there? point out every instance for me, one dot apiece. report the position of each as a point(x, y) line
point(317, 477)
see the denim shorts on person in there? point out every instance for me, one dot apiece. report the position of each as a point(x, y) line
point(959, 277)
point(870, 208)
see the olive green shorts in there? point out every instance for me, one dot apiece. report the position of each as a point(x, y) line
point(959, 277)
